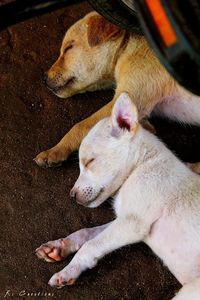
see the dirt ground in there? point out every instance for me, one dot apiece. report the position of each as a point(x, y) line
point(34, 203)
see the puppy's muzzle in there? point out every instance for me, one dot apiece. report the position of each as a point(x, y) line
point(76, 195)
point(50, 83)
point(57, 82)
point(85, 196)
point(80, 196)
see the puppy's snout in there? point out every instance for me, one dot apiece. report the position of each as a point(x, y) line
point(51, 83)
point(54, 81)
point(81, 195)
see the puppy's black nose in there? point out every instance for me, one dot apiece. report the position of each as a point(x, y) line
point(45, 78)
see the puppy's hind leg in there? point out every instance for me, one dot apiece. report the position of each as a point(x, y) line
point(58, 250)
point(190, 291)
point(184, 108)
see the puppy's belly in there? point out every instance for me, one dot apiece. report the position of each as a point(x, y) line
point(173, 241)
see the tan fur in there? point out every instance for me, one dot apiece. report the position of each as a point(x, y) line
point(102, 55)
point(100, 30)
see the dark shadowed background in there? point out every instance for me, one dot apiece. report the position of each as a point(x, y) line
point(34, 203)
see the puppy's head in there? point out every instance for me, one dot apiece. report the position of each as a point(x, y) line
point(105, 155)
point(86, 60)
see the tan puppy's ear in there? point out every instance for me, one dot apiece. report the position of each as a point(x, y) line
point(124, 114)
point(100, 30)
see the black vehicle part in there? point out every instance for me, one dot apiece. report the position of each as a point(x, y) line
point(172, 27)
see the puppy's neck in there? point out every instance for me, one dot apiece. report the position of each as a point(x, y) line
point(117, 48)
point(122, 46)
point(143, 147)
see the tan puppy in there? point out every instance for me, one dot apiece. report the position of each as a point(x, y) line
point(96, 54)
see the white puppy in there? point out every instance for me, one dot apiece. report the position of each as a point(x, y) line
point(157, 200)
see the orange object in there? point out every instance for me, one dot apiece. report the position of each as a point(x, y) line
point(162, 22)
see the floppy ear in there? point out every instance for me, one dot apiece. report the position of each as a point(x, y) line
point(100, 30)
point(124, 114)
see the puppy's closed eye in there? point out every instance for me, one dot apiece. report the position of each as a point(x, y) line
point(87, 163)
point(70, 46)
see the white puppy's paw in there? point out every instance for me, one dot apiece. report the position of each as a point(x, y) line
point(54, 251)
point(65, 277)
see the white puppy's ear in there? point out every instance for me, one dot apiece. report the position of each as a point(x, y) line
point(124, 114)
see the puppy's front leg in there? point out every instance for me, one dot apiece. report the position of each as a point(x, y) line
point(71, 141)
point(121, 232)
point(58, 250)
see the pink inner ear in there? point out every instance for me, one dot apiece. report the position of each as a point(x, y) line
point(123, 123)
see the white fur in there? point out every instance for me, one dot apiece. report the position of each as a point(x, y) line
point(181, 106)
point(157, 199)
